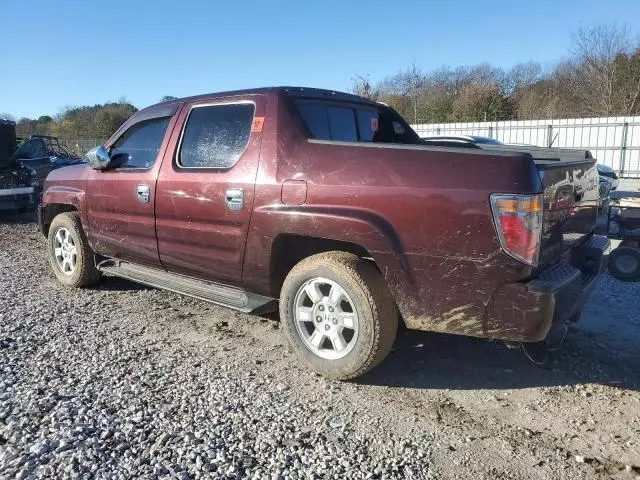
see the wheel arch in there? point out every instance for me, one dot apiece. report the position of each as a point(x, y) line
point(280, 236)
point(57, 199)
point(51, 211)
point(289, 249)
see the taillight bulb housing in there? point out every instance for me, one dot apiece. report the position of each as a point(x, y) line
point(518, 223)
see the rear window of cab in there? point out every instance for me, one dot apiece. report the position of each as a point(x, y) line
point(353, 122)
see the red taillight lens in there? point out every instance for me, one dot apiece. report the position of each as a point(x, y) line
point(518, 221)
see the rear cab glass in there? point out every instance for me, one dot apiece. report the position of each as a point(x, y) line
point(353, 122)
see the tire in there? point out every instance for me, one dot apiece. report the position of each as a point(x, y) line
point(624, 264)
point(84, 272)
point(367, 316)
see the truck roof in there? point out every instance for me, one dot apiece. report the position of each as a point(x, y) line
point(303, 92)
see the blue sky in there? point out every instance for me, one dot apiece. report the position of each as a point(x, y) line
point(87, 52)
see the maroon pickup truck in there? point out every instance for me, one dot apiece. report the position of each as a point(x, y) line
point(331, 204)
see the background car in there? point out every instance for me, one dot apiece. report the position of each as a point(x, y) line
point(610, 174)
point(41, 153)
point(460, 140)
point(16, 181)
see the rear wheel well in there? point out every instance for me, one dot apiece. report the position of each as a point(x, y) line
point(289, 249)
point(51, 211)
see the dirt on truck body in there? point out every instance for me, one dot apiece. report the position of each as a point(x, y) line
point(331, 204)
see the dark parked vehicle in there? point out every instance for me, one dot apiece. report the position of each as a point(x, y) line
point(609, 174)
point(332, 204)
point(42, 153)
point(16, 182)
point(464, 141)
point(623, 223)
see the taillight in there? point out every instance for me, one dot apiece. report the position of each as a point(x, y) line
point(518, 221)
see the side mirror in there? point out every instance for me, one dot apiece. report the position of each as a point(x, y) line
point(98, 158)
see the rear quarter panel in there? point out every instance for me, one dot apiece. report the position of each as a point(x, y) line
point(422, 212)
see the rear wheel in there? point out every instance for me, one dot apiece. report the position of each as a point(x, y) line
point(338, 314)
point(624, 264)
point(71, 258)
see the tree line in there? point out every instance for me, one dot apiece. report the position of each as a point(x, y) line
point(96, 121)
point(88, 122)
point(599, 78)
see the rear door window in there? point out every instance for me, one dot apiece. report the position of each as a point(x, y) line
point(216, 136)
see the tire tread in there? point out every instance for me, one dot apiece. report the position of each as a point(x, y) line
point(369, 280)
point(88, 274)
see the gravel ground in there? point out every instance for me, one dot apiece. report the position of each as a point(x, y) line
point(121, 381)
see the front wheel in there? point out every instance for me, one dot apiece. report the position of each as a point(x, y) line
point(338, 314)
point(71, 258)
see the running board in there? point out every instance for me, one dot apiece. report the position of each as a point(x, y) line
point(202, 290)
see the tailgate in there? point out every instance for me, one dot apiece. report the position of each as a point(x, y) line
point(570, 202)
point(570, 186)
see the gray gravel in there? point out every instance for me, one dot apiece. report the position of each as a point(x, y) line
point(121, 381)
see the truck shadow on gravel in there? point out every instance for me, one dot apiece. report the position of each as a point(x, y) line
point(117, 284)
point(439, 361)
point(426, 360)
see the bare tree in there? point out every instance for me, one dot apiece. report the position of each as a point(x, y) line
point(521, 76)
point(362, 86)
point(595, 71)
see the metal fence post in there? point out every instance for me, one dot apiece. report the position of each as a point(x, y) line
point(623, 149)
point(549, 135)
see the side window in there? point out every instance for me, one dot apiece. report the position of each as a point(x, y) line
point(216, 136)
point(329, 122)
point(141, 142)
point(316, 120)
point(342, 124)
point(354, 123)
point(368, 124)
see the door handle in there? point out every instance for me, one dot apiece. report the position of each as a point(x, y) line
point(142, 192)
point(234, 198)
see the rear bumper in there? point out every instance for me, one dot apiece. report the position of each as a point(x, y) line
point(527, 311)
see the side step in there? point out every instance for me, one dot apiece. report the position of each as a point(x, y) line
point(202, 290)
